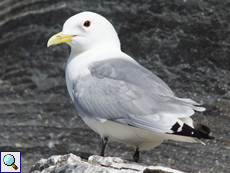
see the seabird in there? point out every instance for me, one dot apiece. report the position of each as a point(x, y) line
point(117, 97)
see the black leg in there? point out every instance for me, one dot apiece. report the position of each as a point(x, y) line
point(136, 155)
point(104, 142)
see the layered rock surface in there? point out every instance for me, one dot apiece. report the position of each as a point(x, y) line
point(74, 164)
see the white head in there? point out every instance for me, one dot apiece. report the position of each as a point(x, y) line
point(85, 31)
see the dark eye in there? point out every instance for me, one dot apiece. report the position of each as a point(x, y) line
point(87, 23)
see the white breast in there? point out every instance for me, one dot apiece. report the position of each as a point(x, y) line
point(78, 63)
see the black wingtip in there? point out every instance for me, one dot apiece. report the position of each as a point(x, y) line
point(202, 128)
point(189, 131)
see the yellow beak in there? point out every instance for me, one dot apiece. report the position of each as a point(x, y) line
point(59, 38)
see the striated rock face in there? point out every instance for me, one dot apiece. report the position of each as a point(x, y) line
point(185, 42)
point(74, 164)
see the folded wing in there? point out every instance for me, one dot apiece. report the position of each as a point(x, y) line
point(125, 92)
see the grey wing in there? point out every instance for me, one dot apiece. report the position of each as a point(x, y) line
point(125, 92)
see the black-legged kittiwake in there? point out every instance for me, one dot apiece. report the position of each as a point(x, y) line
point(116, 96)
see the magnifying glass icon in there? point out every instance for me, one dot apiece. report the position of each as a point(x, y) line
point(9, 160)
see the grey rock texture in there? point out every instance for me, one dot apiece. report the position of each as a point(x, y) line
point(185, 42)
point(95, 163)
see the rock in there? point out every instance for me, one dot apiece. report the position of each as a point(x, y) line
point(74, 164)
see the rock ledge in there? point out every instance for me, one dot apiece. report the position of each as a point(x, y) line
point(71, 163)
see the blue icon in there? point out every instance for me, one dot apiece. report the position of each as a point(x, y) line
point(9, 160)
